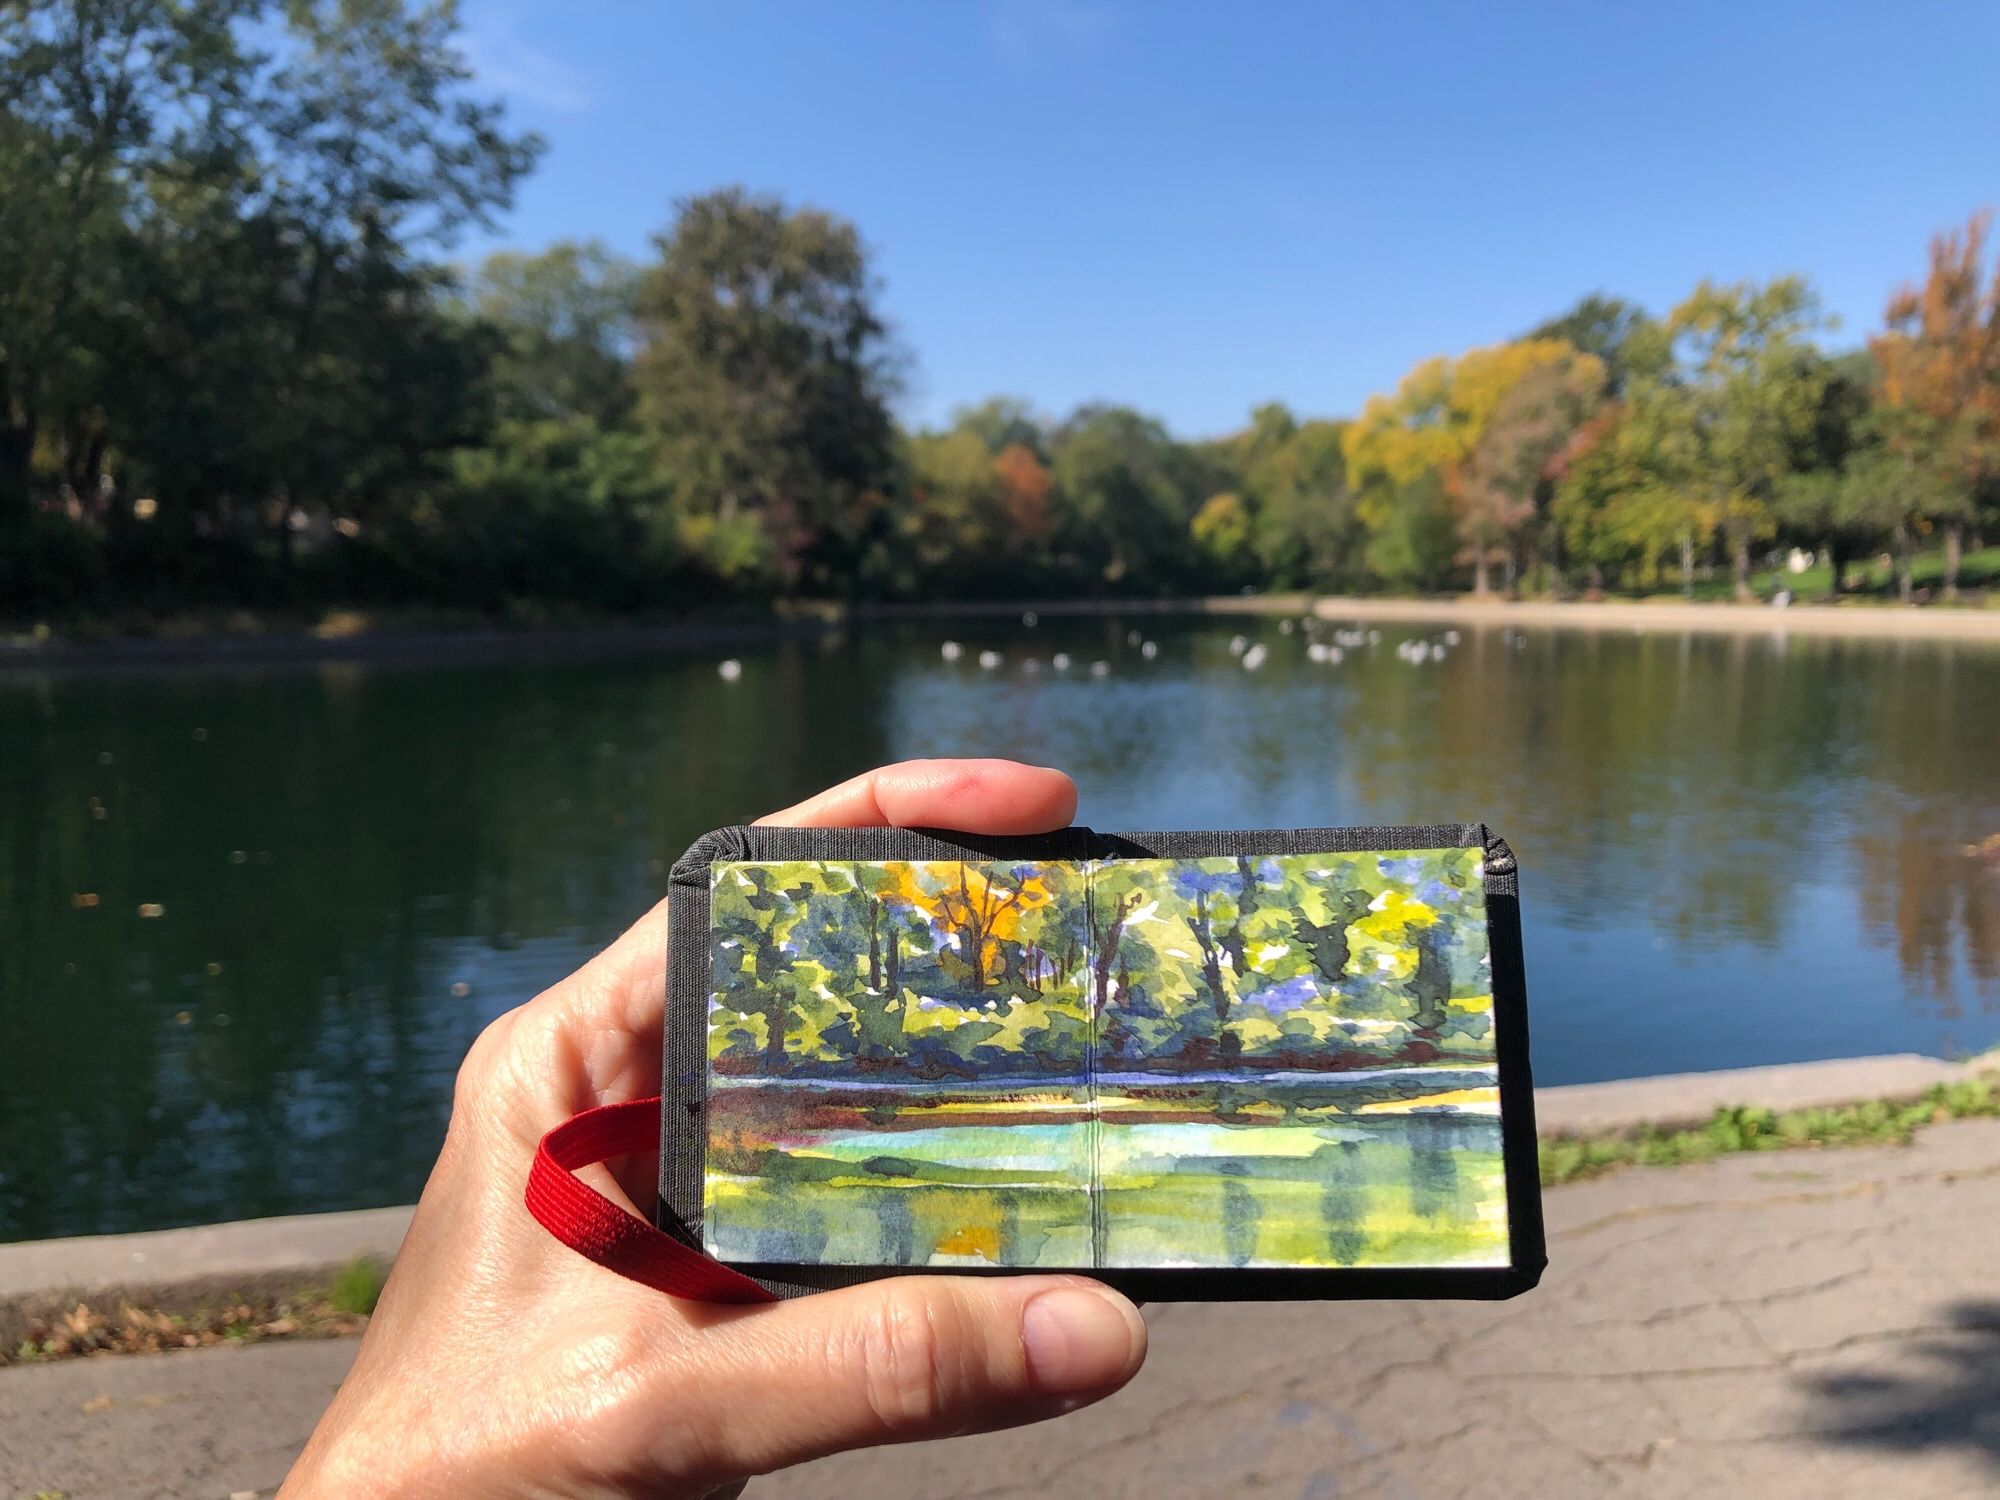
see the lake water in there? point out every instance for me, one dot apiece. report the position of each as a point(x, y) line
point(1734, 850)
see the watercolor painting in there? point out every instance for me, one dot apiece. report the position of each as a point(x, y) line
point(1248, 1061)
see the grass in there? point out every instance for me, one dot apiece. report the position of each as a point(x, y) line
point(357, 1286)
point(340, 1307)
point(1869, 581)
point(1747, 1128)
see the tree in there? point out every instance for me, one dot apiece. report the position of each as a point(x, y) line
point(1724, 423)
point(1940, 360)
point(94, 119)
point(1618, 333)
point(1003, 422)
point(763, 376)
point(1502, 486)
point(1429, 427)
point(1413, 539)
point(1128, 508)
point(1817, 501)
point(216, 290)
point(564, 320)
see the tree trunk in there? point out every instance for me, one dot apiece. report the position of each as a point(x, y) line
point(1904, 589)
point(1739, 563)
point(1954, 553)
point(17, 451)
point(1106, 944)
point(874, 945)
point(1480, 585)
point(774, 1037)
point(1836, 557)
point(1687, 565)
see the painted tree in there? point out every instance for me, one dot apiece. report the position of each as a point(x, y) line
point(1940, 360)
point(985, 906)
point(753, 916)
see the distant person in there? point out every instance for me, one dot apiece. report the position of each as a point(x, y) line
point(500, 1363)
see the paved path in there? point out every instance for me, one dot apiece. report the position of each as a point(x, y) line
point(1822, 1325)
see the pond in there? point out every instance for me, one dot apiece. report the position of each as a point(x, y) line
point(251, 919)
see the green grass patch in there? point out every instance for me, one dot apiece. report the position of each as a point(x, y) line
point(357, 1286)
point(1748, 1128)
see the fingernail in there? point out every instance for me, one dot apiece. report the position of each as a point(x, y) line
point(1079, 1339)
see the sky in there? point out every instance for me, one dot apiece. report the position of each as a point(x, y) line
point(1193, 209)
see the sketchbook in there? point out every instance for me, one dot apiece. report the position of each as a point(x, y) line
point(1197, 1065)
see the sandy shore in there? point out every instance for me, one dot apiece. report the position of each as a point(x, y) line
point(1721, 619)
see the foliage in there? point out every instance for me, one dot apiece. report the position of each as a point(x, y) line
point(237, 369)
point(763, 375)
point(1940, 360)
point(951, 968)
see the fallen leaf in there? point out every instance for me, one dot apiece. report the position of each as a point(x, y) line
point(152, 909)
point(97, 1404)
point(82, 899)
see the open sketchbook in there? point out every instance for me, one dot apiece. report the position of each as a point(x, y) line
point(1222, 1061)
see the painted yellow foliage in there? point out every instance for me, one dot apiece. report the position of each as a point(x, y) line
point(1382, 940)
point(982, 904)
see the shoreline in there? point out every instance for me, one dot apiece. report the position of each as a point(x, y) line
point(176, 1267)
point(393, 644)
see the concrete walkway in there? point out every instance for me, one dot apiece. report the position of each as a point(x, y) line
point(1796, 1324)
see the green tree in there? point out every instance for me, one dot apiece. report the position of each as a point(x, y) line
point(1125, 495)
point(564, 319)
point(1618, 333)
point(1726, 422)
point(763, 375)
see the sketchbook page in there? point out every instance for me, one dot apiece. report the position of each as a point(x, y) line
point(1294, 1062)
point(898, 1065)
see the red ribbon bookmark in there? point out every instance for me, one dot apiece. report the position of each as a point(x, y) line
point(598, 1229)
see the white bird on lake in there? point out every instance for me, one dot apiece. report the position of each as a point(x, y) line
point(1318, 651)
point(1284, 627)
point(1254, 657)
point(1238, 644)
point(730, 670)
point(1333, 655)
point(1030, 619)
point(1451, 637)
point(1060, 661)
point(951, 651)
point(988, 660)
point(1374, 637)
point(1100, 669)
point(1031, 666)
point(1149, 649)
point(1131, 637)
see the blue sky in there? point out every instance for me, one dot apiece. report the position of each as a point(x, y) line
point(1195, 208)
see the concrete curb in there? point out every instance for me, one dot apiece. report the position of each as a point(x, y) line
point(176, 1265)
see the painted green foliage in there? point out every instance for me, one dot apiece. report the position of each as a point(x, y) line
point(1306, 961)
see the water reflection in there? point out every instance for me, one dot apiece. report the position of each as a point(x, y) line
point(1736, 850)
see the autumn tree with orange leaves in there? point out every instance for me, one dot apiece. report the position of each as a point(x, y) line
point(1940, 401)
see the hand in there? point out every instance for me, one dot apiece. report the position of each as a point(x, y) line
point(501, 1363)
